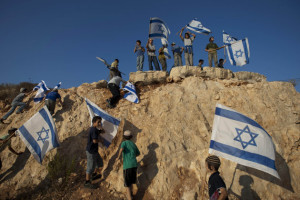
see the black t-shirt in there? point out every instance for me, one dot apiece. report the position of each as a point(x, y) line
point(215, 182)
point(93, 135)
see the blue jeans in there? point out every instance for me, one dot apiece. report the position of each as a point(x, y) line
point(14, 105)
point(93, 161)
point(154, 60)
point(140, 63)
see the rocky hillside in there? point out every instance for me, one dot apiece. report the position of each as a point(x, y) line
point(172, 128)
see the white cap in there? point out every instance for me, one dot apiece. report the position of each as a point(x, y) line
point(127, 133)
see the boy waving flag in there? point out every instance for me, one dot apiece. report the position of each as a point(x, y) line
point(240, 139)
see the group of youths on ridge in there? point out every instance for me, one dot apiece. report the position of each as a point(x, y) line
point(177, 51)
point(129, 151)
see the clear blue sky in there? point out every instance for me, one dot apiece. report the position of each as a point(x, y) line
point(58, 40)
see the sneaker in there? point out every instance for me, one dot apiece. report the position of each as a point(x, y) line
point(89, 185)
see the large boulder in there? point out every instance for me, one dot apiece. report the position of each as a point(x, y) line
point(220, 73)
point(148, 77)
point(179, 73)
point(249, 76)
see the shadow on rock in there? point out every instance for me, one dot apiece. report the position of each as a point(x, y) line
point(247, 192)
point(16, 167)
point(67, 106)
point(147, 171)
point(282, 169)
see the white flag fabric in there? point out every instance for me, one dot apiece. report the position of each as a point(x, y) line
point(167, 54)
point(227, 39)
point(109, 123)
point(57, 86)
point(240, 139)
point(131, 94)
point(158, 28)
point(104, 61)
point(197, 27)
point(39, 134)
point(41, 89)
point(239, 52)
point(164, 42)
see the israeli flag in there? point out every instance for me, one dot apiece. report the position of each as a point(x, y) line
point(39, 134)
point(41, 89)
point(238, 52)
point(57, 86)
point(131, 94)
point(158, 28)
point(227, 39)
point(240, 139)
point(197, 27)
point(109, 123)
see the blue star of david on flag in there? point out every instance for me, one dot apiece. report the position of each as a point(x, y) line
point(200, 26)
point(229, 39)
point(246, 130)
point(43, 137)
point(238, 53)
point(160, 28)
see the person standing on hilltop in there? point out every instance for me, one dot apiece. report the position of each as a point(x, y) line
point(216, 185)
point(129, 153)
point(114, 87)
point(162, 58)
point(17, 101)
point(151, 55)
point(188, 46)
point(212, 48)
point(50, 100)
point(177, 51)
point(139, 50)
point(94, 160)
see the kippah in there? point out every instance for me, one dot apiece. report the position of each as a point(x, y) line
point(213, 159)
point(127, 133)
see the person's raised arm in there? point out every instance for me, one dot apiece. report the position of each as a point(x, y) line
point(180, 35)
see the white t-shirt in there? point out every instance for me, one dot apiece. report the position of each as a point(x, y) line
point(151, 47)
point(189, 41)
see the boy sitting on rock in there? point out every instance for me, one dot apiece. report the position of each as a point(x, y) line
point(216, 185)
point(130, 152)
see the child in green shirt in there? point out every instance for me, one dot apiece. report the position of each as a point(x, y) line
point(129, 153)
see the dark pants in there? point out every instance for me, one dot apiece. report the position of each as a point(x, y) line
point(50, 105)
point(154, 60)
point(115, 91)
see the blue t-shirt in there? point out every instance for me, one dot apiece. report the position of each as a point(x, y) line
point(139, 51)
point(93, 135)
point(176, 49)
point(53, 96)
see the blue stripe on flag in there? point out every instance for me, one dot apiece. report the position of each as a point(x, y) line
point(32, 142)
point(201, 30)
point(246, 50)
point(44, 87)
point(106, 142)
point(38, 99)
point(243, 154)
point(156, 21)
point(44, 114)
point(238, 117)
point(104, 115)
point(130, 89)
point(231, 54)
point(157, 35)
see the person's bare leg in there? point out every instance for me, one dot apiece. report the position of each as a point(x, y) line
point(87, 177)
point(128, 193)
